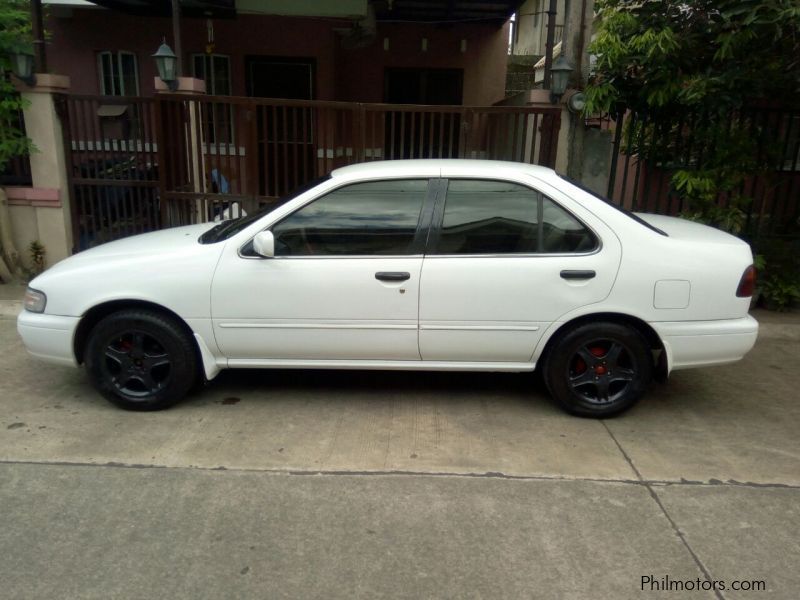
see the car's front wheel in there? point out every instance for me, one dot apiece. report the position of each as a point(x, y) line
point(141, 359)
point(598, 369)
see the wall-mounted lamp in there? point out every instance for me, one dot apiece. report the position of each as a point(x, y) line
point(22, 66)
point(559, 72)
point(167, 64)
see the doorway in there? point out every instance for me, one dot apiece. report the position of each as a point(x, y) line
point(417, 135)
point(285, 133)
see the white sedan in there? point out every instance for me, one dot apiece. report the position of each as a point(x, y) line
point(423, 264)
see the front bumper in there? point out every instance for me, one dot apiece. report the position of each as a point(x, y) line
point(49, 337)
point(703, 343)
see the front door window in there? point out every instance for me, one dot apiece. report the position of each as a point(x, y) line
point(365, 219)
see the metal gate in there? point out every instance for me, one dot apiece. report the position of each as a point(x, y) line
point(111, 152)
point(649, 149)
point(139, 164)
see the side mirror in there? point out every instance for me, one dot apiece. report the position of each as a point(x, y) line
point(264, 244)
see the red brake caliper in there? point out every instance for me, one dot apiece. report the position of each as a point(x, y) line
point(580, 365)
point(599, 352)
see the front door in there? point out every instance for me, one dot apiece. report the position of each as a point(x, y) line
point(344, 283)
point(286, 152)
point(418, 133)
point(504, 264)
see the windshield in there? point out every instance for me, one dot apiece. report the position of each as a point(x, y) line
point(626, 212)
point(226, 229)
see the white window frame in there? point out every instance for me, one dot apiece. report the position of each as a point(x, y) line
point(210, 83)
point(213, 144)
point(119, 80)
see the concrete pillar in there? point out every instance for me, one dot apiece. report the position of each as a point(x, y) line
point(575, 43)
point(565, 140)
point(42, 212)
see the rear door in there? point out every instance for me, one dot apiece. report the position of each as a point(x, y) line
point(504, 261)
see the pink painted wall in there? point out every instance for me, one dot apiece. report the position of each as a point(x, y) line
point(360, 73)
point(341, 74)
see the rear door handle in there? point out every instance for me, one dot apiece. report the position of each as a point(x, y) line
point(567, 274)
point(392, 275)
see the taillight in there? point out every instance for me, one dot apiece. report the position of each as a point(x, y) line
point(747, 284)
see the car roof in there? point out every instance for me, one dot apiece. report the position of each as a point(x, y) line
point(428, 167)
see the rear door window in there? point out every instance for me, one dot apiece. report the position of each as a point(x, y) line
point(499, 217)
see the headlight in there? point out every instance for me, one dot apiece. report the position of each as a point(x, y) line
point(35, 301)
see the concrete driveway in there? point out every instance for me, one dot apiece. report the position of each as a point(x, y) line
point(313, 484)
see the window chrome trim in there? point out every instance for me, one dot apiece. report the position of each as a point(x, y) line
point(330, 256)
point(434, 227)
point(521, 254)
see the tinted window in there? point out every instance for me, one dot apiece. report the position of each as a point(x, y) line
point(489, 217)
point(226, 229)
point(496, 217)
point(561, 232)
point(362, 219)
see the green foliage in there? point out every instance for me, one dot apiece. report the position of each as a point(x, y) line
point(689, 71)
point(780, 292)
point(777, 263)
point(703, 54)
point(37, 253)
point(15, 35)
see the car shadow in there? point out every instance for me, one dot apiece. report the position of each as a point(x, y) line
point(447, 385)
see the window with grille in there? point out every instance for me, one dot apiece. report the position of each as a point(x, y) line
point(215, 70)
point(119, 73)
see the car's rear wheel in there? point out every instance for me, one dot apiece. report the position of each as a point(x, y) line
point(598, 369)
point(141, 359)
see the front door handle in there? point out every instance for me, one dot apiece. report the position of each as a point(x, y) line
point(567, 274)
point(392, 275)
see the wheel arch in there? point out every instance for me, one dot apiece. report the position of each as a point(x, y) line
point(98, 312)
point(660, 364)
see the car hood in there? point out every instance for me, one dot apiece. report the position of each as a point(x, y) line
point(145, 248)
point(690, 231)
point(156, 242)
point(168, 267)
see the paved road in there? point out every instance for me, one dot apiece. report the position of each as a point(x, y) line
point(341, 485)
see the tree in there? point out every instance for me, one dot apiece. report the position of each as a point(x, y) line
point(711, 59)
point(15, 35)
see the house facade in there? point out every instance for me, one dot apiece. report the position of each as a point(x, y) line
point(350, 51)
point(293, 89)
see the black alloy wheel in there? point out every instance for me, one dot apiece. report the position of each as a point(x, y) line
point(598, 369)
point(136, 364)
point(601, 371)
point(141, 359)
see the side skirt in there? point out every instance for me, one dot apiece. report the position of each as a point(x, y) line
point(385, 365)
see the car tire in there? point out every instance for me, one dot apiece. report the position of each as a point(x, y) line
point(598, 369)
point(141, 359)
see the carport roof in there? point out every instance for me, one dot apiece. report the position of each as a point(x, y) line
point(429, 11)
point(445, 11)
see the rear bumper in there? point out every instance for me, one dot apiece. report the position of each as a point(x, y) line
point(702, 343)
point(49, 337)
